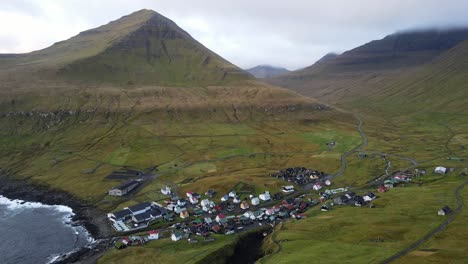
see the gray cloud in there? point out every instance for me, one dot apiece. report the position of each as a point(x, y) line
point(292, 33)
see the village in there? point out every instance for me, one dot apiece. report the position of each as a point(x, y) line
point(196, 217)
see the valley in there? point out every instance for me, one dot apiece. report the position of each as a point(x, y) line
point(140, 94)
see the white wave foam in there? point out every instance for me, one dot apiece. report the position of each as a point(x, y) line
point(18, 204)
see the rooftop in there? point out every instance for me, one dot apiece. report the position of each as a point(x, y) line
point(139, 207)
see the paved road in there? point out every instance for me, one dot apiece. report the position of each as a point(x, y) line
point(437, 230)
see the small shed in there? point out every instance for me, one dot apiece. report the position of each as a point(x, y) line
point(444, 210)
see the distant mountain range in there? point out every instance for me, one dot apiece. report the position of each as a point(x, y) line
point(415, 69)
point(266, 71)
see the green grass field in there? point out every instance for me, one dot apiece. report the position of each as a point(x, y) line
point(366, 235)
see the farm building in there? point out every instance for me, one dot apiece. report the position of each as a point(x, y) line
point(444, 211)
point(124, 188)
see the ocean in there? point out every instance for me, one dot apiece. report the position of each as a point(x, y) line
point(34, 233)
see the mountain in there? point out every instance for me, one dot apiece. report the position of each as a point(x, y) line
point(141, 48)
point(266, 71)
point(419, 69)
point(142, 60)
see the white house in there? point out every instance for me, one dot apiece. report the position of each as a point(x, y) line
point(440, 170)
point(255, 201)
point(317, 186)
point(236, 200)
point(193, 200)
point(327, 182)
point(176, 236)
point(153, 235)
point(232, 194)
point(205, 203)
point(265, 196)
point(166, 190)
point(369, 197)
point(208, 220)
point(224, 198)
point(288, 189)
point(170, 207)
point(249, 214)
point(189, 194)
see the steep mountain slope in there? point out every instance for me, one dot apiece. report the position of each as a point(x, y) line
point(141, 48)
point(403, 68)
point(140, 61)
point(266, 71)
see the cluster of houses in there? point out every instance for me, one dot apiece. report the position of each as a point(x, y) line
point(136, 240)
point(352, 198)
point(194, 204)
point(397, 178)
point(298, 175)
point(136, 216)
point(230, 224)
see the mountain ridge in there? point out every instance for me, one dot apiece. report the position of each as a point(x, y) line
point(389, 70)
point(143, 47)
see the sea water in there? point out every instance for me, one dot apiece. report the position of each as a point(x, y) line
point(35, 233)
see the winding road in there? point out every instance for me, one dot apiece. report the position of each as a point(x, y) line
point(359, 147)
point(414, 163)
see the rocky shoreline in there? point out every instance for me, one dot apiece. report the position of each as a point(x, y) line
point(85, 214)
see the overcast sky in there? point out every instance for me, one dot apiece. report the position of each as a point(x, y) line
point(291, 34)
